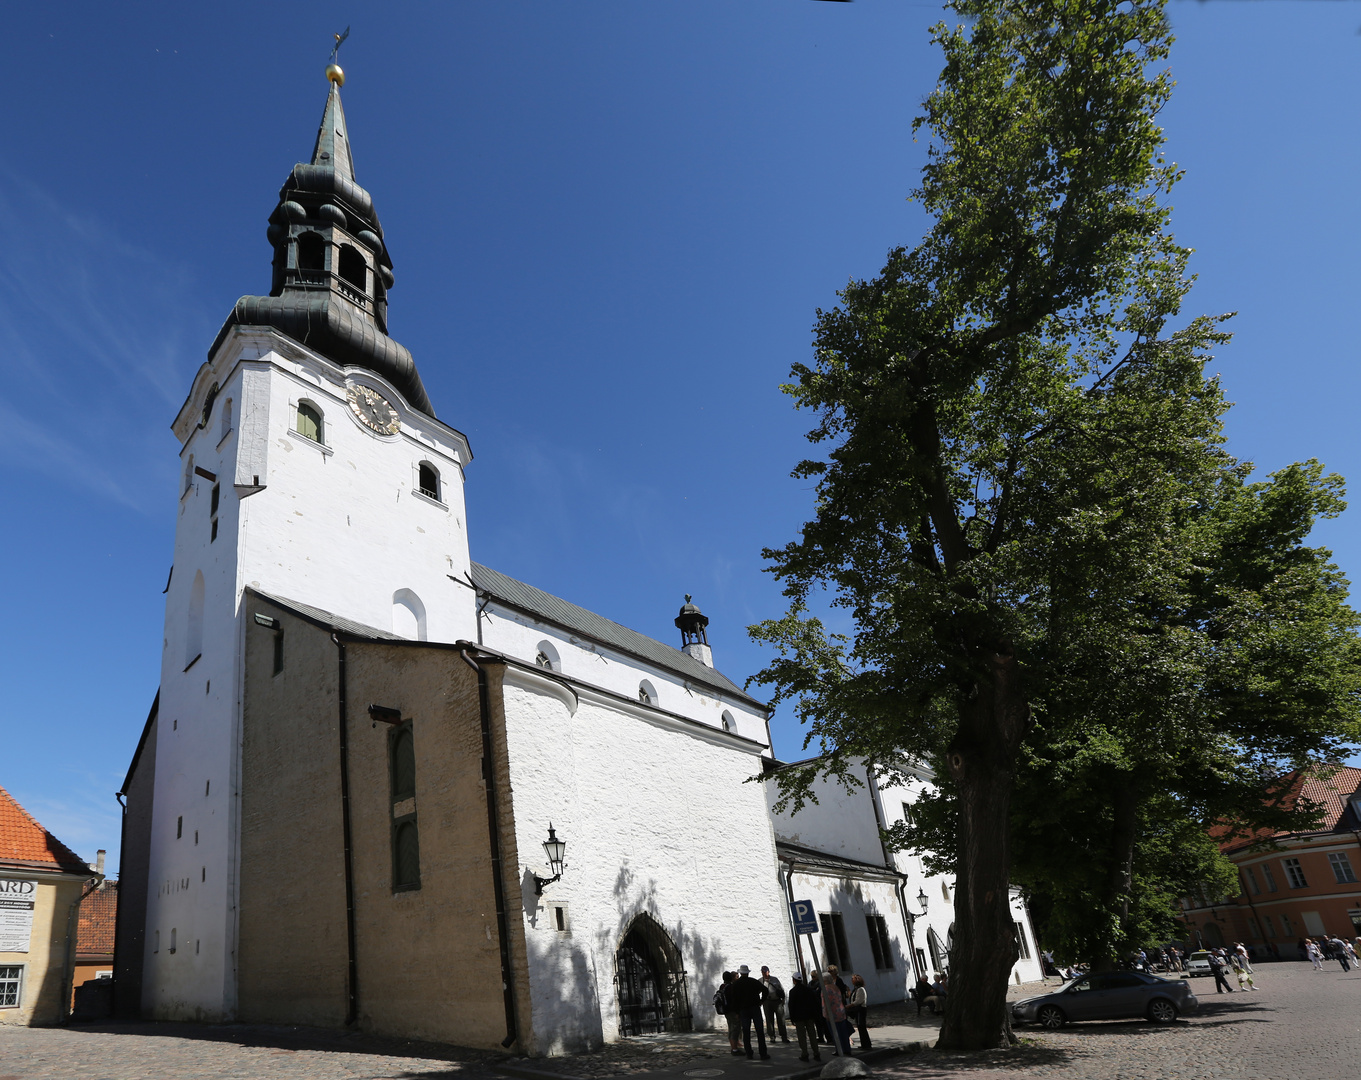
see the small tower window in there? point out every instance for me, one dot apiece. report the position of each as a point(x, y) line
point(311, 256)
point(213, 504)
point(310, 424)
point(226, 419)
point(728, 724)
point(188, 475)
point(353, 268)
point(428, 479)
point(647, 693)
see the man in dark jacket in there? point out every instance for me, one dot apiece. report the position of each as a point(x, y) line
point(1218, 968)
point(805, 1006)
point(746, 994)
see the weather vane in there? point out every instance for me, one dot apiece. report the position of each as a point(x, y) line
point(333, 69)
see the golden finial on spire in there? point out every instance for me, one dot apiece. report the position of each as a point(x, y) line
point(333, 70)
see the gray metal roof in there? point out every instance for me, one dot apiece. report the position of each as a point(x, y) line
point(578, 620)
point(326, 618)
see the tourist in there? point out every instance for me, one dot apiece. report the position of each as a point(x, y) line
point(1218, 968)
point(747, 994)
point(1242, 951)
point(922, 992)
point(729, 1012)
point(773, 1005)
point(1314, 953)
point(834, 1009)
point(805, 1009)
point(858, 1009)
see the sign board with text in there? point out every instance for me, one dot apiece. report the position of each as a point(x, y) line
point(17, 899)
point(805, 919)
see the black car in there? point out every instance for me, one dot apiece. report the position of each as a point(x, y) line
point(1111, 995)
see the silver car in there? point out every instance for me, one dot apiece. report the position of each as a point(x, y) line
point(1111, 995)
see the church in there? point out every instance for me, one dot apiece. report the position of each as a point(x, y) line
point(385, 785)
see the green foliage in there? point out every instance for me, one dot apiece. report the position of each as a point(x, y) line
point(1021, 456)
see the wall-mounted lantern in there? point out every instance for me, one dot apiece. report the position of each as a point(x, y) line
point(554, 849)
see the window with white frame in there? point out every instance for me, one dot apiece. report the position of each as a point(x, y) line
point(309, 423)
point(1342, 867)
point(11, 986)
point(1294, 874)
point(1021, 942)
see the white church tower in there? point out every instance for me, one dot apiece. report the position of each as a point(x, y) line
point(313, 469)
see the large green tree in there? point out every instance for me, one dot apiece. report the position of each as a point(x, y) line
point(1018, 432)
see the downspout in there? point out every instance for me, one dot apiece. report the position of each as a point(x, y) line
point(68, 974)
point(352, 967)
point(1247, 894)
point(494, 835)
point(889, 861)
point(789, 892)
point(117, 923)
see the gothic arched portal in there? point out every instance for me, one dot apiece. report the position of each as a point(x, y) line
point(650, 980)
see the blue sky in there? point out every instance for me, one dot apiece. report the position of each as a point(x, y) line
point(611, 225)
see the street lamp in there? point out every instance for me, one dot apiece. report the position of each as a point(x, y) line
point(923, 899)
point(554, 849)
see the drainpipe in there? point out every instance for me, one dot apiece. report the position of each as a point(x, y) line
point(352, 967)
point(789, 892)
point(68, 974)
point(117, 927)
point(494, 833)
point(901, 883)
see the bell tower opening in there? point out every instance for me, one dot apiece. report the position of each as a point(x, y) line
point(353, 268)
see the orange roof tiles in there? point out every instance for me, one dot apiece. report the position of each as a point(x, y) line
point(1331, 793)
point(98, 915)
point(25, 842)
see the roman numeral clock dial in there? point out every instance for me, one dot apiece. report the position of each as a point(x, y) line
point(373, 410)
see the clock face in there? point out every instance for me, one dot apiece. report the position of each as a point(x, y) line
point(373, 410)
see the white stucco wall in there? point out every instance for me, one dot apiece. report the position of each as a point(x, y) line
point(340, 528)
point(519, 635)
point(840, 822)
point(657, 818)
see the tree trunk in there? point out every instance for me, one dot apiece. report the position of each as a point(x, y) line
point(982, 762)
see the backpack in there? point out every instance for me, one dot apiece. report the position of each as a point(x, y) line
point(720, 1002)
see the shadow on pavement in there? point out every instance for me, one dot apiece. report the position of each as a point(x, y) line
point(929, 1064)
point(288, 1037)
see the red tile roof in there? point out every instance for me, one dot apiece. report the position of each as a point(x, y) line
point(26, 843)
point(98, 914)
point(1329, 792)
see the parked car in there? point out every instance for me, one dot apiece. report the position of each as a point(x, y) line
point(1198, 963)
point(1111, 995)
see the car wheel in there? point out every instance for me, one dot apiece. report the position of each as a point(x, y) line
point(1051, 1017)
point(1161, 1011)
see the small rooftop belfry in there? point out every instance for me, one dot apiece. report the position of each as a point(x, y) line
point(331, 267)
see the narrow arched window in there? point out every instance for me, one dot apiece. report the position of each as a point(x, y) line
point(647, 694)
point(547, 657)
point(428, 479)
point(354, 269)
point(310, 424)
point(188, 475)
point(193, 635)
point(406, 856)
point(728, 724)
point(226, 419)
point(403, 763)
point(311, 256)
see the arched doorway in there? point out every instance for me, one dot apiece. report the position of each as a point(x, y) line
point(650, 980)
point(1214, 937)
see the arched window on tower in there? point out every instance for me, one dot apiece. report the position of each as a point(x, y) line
point(547, 656)
point(226, 420)
point(408, 615)
point(193, 634)
point(353, 268)
point(310, 425)
point(647, 693)
point(188, 476)
point(311, 258)
point(428, 480)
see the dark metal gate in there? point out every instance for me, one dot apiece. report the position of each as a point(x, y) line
point(650, 981)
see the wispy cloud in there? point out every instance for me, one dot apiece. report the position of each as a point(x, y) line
point(97, 343)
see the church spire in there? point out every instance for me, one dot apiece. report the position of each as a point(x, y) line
point(332, 271)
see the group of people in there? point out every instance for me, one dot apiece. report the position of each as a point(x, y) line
point(817, 1015)
point(930, 995)
point(1320, 949)
point(1237, 960)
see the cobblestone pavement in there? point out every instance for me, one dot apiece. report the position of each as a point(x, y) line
point(1302, 1025)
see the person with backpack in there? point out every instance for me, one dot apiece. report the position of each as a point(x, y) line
point(729, 1014)
point(745, 995)
point(1219, 968)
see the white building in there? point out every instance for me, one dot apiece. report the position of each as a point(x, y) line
point(881, 915)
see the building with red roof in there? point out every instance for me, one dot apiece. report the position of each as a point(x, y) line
point(42, 882)
point(1292, 884)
